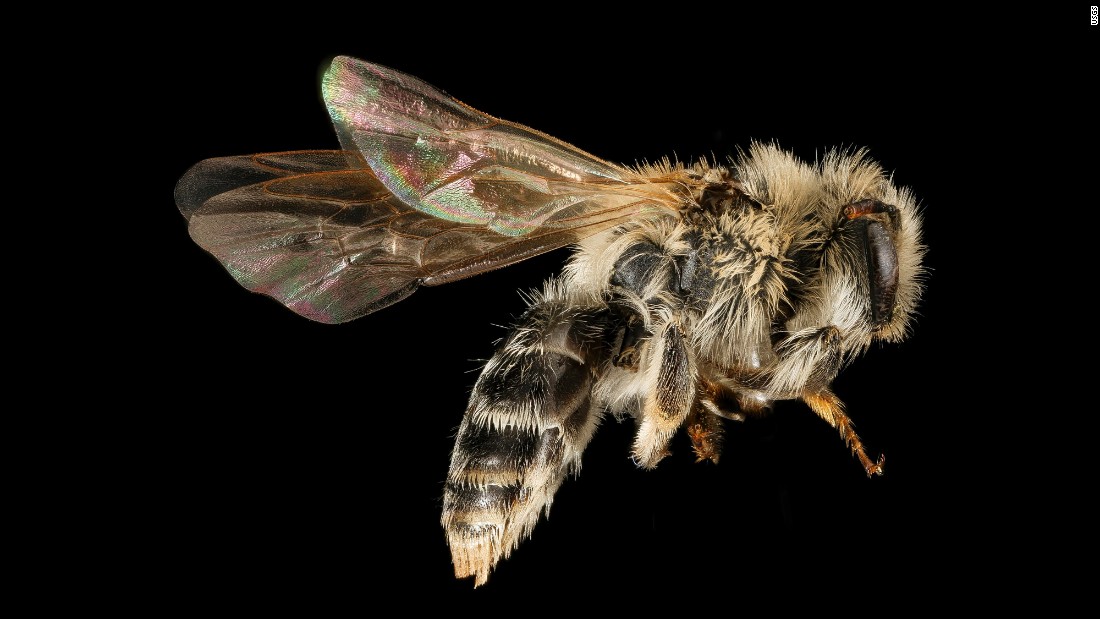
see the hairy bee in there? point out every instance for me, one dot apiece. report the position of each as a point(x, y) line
point(695, 293)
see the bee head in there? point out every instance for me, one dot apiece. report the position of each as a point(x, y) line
point(871, 271)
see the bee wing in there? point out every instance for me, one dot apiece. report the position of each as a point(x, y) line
point(446, 159)
point(426, 191)
point(319, 232)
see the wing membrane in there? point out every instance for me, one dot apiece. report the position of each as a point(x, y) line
point(317, 231)
point(451, 161)
point(307, 228)
point(425, 191)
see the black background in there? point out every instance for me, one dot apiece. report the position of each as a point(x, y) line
point(283, 463)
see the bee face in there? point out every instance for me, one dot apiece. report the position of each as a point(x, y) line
point(695, 295)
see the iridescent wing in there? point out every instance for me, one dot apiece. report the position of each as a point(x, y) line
point(426, 191)
point(313, 229)
point(444, 158)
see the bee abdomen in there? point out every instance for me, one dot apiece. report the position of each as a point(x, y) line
point(500, 481)
point(529, 418)
point(485, 456)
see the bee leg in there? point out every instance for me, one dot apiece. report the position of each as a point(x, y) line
point(530, 416)
point(667, 405)
point(720, 401)
point(633, 338)
point(706, 432)
point(809, 360)
point(831, 409)
point(713, 402)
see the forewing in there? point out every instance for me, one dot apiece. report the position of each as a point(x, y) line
point(317, 231)
point(446, 159)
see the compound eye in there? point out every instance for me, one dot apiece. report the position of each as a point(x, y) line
point(882, 272)
point(881, 254)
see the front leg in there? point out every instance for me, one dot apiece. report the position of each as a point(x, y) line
point(831, 409)
point(808, 361)
point(530, 416)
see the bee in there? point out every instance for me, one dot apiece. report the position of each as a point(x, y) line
point(695, 293)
